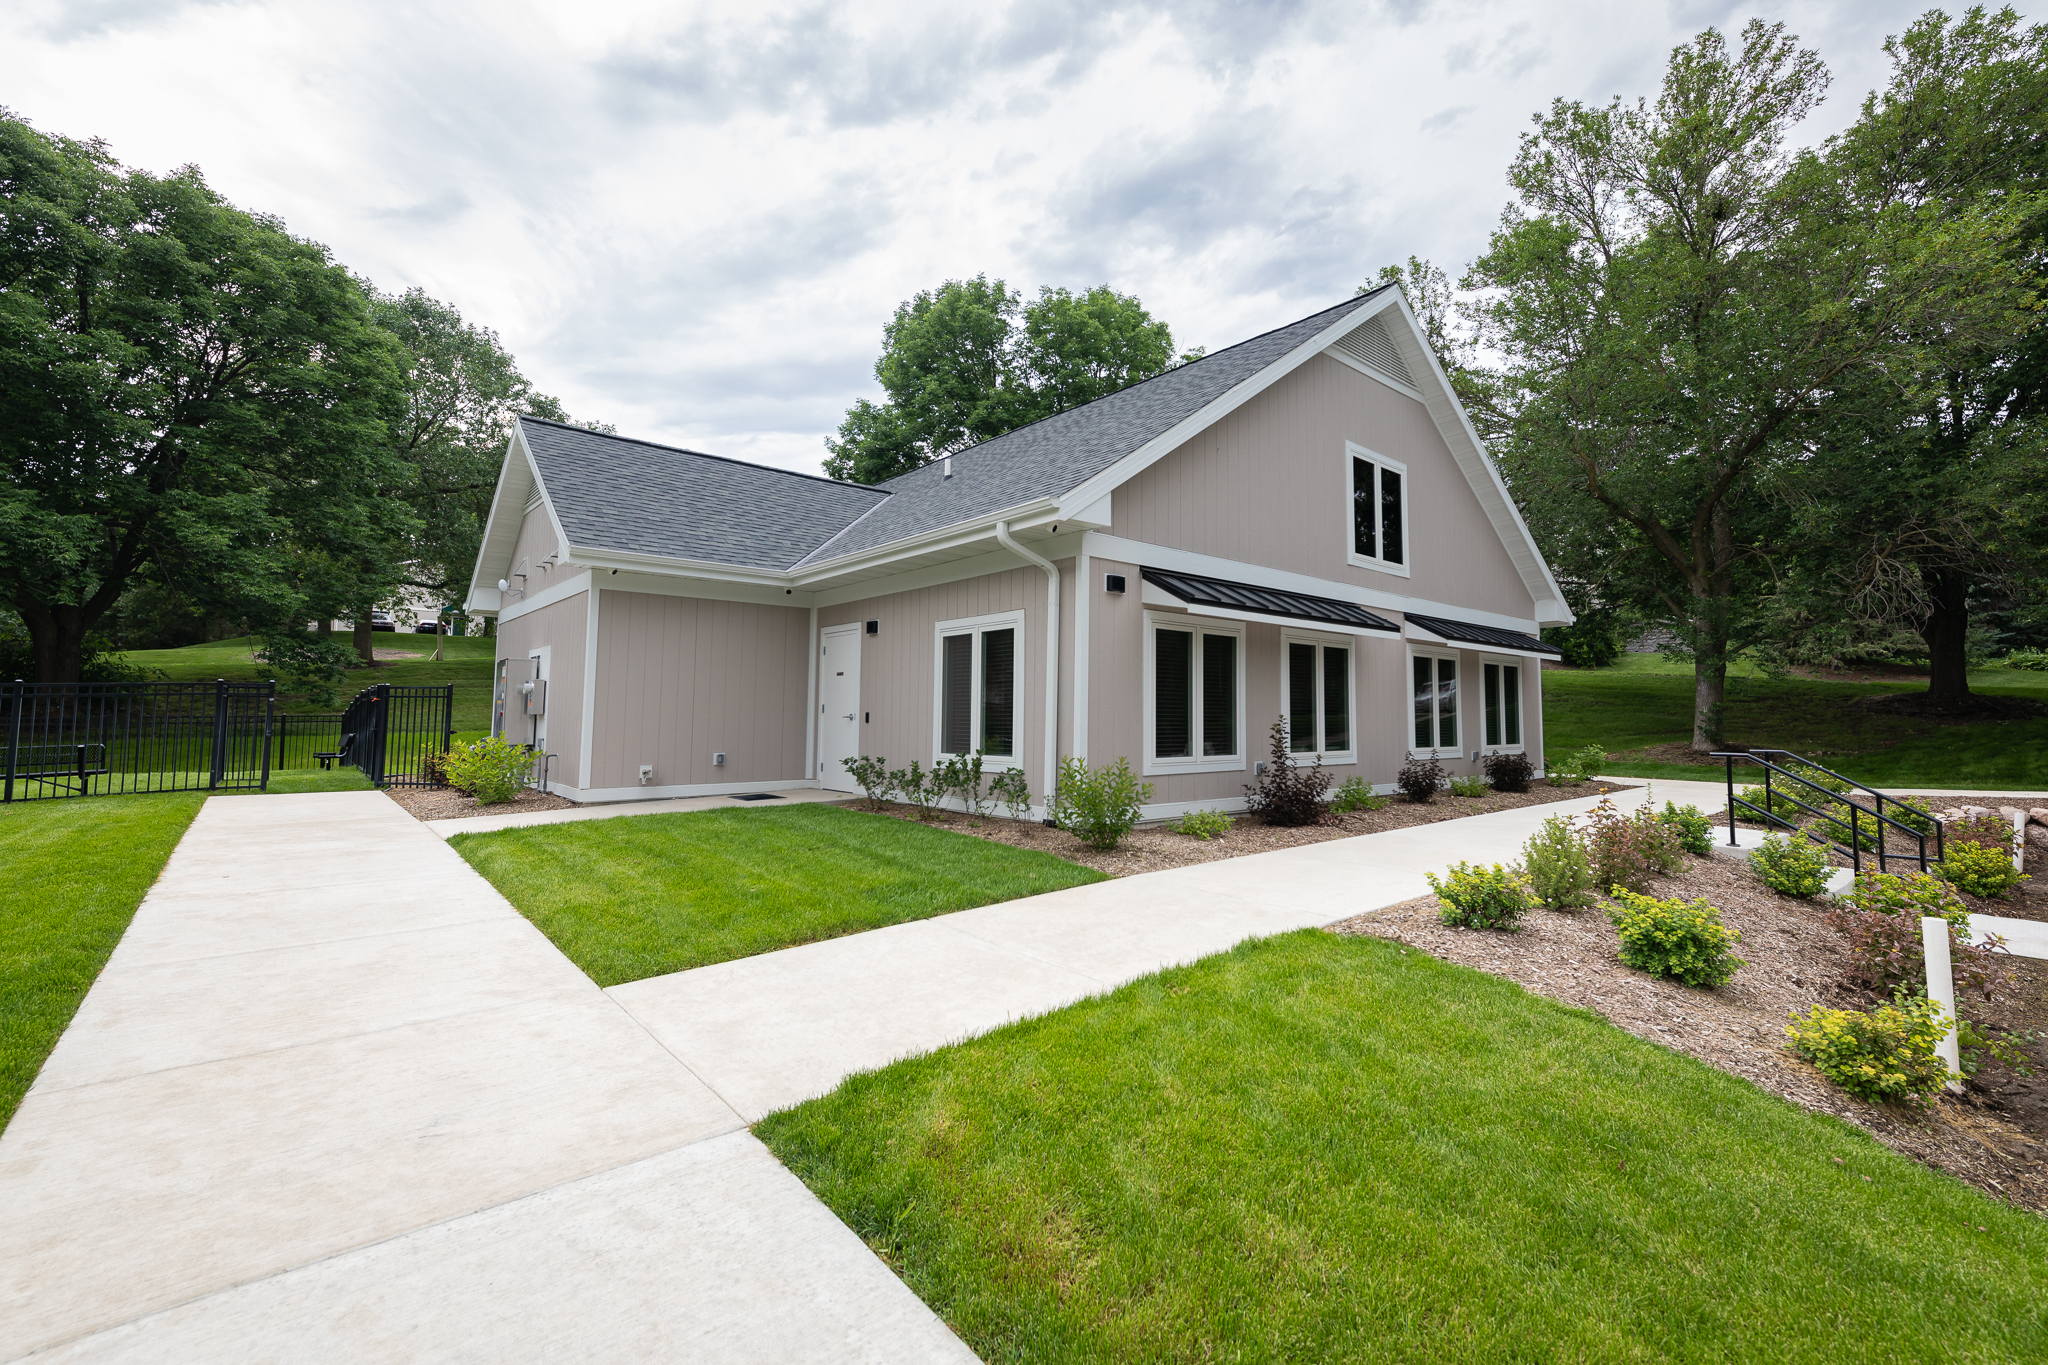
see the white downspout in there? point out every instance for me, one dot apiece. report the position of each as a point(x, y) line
point(1052, 652)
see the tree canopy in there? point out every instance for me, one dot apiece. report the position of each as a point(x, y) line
point(970, 360)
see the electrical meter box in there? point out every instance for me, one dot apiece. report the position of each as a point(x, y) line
point(536, 697)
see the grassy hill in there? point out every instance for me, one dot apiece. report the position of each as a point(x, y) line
point(467, 664)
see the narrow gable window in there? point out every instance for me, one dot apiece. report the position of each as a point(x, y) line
point(977, 687)
point(1194, 713)
point(1379, 510)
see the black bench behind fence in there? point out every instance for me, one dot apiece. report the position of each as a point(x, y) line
point(104, 739)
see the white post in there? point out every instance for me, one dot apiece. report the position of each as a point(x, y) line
point(1941, 989)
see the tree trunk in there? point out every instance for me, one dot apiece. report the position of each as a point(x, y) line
point(1709, 684)
point(1946, 630)
point(363, 642)
point(56, 636)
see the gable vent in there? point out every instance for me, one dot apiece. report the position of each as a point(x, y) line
point(1370, 344)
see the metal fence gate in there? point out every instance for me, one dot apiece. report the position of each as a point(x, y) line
point(396, 734)
point(105, 739)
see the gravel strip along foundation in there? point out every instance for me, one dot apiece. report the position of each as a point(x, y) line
point(1995, 1136)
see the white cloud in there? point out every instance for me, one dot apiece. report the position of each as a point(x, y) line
point(693, 220)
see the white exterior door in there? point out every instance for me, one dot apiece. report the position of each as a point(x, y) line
point(838, 706)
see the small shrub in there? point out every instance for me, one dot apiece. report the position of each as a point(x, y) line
point(1471, 788)
point(1880, 918)
point(1556, 864)
point(1010, 788)
point(1509, 772)
point(1681, 939)
point(490, 769)
point(1775, 801)
point(1357, 794)
point(1984, 831)
point(1886, 1054)
point(872, 772)
point(1421, 780)
point(1913, 895)
point(1695, 832)
point(924, 790)
point(1981, 871)
point(960, 778)
point(1626, 850)
point(1791, 866)
point(1100, 806)
point(1973, 1045)
point(1203, 824)
point(1578, 765)
point(1482, 897)
point(1836, 822)
point(1285, 794)
point(1914, 813)
point(2031, 660)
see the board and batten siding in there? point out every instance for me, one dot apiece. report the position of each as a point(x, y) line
point(897, 664)
point(536, 542)
point(682, 678)
point(560, 627)
point(1269, 485)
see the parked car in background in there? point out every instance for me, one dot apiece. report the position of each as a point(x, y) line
point(428, 621)
point(383, 620)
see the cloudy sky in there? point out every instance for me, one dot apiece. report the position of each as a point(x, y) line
point(692, 220)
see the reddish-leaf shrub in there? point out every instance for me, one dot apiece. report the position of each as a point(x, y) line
point(1626, 850)
point(1421, 780)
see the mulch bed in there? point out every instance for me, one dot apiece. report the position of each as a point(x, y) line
point(1158, 847)
point(1994, 1136)
point(445, 803)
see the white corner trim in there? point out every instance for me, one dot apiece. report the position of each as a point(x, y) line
point(546, 597)
point(589, 688)
point(1084, 593)
point(1049, 774)
point(812, 762)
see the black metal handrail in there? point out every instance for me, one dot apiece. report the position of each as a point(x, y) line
point(1830, 797)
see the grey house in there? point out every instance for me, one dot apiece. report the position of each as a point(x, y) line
point(1302, 526)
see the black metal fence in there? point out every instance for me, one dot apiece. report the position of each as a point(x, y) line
point(104, 739)
point(396, 735)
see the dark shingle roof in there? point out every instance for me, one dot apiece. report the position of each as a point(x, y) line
point(618, 494)
point(1060, 453)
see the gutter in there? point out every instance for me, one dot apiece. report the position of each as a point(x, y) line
point(1052, 653)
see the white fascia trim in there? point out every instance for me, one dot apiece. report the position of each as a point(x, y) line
point(1405, 390)
point(546, 597)
point(1155, 596)
point(1454, 424)
point(1139, 553)
point(514, 489)
point(628, 560)
point(582, 795)
point(715, 590)
point(1145, 456)
point(1062, 546)
point(944, 537)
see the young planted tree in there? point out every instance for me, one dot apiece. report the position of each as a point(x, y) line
point(1681, 301)
point(182, 385)
point(971, 360)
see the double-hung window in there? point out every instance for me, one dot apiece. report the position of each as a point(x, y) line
point(1378, 510)
point(1316, 682)
point(1194, 694)
point(977, 687)
point(1502, 705)
point(1436, 702)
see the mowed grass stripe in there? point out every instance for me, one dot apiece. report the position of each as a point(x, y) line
point(75, 870)
point(642, 895)
point(1319, 1148)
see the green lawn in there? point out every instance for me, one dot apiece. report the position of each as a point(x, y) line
point(467, 665)
point(641, 895)
point(75, 871)
point(1646, 700)
point(1317, 1148)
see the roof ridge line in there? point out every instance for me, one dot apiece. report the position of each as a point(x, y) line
point(707, 455)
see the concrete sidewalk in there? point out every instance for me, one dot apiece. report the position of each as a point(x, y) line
point(767, 1032)
point(313, 1113)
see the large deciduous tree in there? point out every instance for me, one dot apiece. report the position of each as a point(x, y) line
point(182, 384)
point(971, 360)
point(1681, 302)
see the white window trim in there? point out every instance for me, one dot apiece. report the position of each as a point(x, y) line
point(1515, 661)
point(1198, 763)
point(1408, 703)
point(975, 625)
point(1355, 451)
point(1345, 642)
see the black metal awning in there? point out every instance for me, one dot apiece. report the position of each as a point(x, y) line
point(1464, 632)
point(1198, 591)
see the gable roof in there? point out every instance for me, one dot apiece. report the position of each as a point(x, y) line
point(1057, 454)
point(643, 498)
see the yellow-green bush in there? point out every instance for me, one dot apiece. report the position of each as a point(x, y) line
point(489, 769)
point(1675, 938)
point(1789, 864)
point(1979, 870)
point(1886, 1054)
point(1482, 897)
point(1203, 824)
